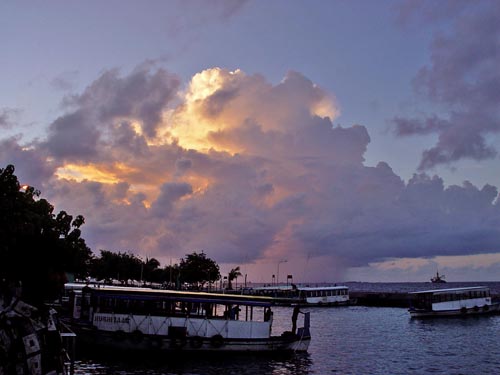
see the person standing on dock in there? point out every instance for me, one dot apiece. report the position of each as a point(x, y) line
point(295, 315)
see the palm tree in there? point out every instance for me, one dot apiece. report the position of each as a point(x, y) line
point(233, 274)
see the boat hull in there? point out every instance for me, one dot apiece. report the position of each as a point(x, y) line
point(91, 339)
point(473, 311)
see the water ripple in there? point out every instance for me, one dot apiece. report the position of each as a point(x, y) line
point(351, 340)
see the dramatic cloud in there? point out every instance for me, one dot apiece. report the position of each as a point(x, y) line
point(247, 171)
point(463, 76)
point(32, 167)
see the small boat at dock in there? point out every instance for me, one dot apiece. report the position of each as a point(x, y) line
point(151, 320)
point(453, 302)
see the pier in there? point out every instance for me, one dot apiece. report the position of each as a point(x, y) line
point(373, 299)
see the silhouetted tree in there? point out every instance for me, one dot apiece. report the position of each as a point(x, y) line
point(197, 269)
point(171, 276)
point(151, 271)
point(233, 274)
point(119, 266)
point(36, 246)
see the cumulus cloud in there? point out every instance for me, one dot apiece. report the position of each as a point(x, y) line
point(169, 194)
point(462, 76)
point(32, 167)
point(245, 170)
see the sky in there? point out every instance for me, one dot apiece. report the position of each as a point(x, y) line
point(329, 140)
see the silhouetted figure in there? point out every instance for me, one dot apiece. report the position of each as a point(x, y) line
point(268, 314)
point(295, 315)
point(234, 312)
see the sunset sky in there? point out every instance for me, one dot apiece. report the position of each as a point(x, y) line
point(331, 140)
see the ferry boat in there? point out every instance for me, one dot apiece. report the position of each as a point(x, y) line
point(324, 296)
point(307, 295)
point(453, 302)
point(140, 319)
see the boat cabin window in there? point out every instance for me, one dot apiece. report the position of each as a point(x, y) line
point(461, 295)
point(323, 293)
point(171, 305)
point(425, 300)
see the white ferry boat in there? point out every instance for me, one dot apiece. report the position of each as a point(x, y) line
point(452, 302)
point(152, 320)
point(324, 296)
point(307, 295)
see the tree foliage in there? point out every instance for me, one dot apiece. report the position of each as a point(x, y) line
point(119, 266)
point(127, 267)
point(197, 269)
point(233, 274)
point(36, 245)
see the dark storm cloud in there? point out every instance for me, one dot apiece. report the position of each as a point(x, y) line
point(463, 76)
point(421, 219)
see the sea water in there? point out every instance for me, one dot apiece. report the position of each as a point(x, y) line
point(347, 340)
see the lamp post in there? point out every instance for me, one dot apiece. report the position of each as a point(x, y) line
point(278, 273)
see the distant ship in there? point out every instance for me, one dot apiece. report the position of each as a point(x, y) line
point(438, 279)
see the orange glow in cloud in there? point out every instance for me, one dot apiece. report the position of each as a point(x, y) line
point(189, 125)
point(106, 174)
point(200, 184)
point(326, 107)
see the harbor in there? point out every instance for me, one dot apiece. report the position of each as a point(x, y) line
point(371, 294)
point(352, 340)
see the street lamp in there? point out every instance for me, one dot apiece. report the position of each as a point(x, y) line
point(278, 273)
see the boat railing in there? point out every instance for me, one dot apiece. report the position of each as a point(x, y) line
point(69, 342)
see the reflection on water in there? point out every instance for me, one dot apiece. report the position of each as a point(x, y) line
point(240, 365)
point(348, 340)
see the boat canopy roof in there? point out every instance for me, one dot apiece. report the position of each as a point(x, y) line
point(181, 296)
point(274, 287)
point(311, 288)
point(451, 290)
point(282, 288)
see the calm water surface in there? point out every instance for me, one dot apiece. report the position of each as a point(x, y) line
point(349, 340)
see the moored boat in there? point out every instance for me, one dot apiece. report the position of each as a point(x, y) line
point(140, 319)
point(324, 296)
point(307, 295)
point(453, 302)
